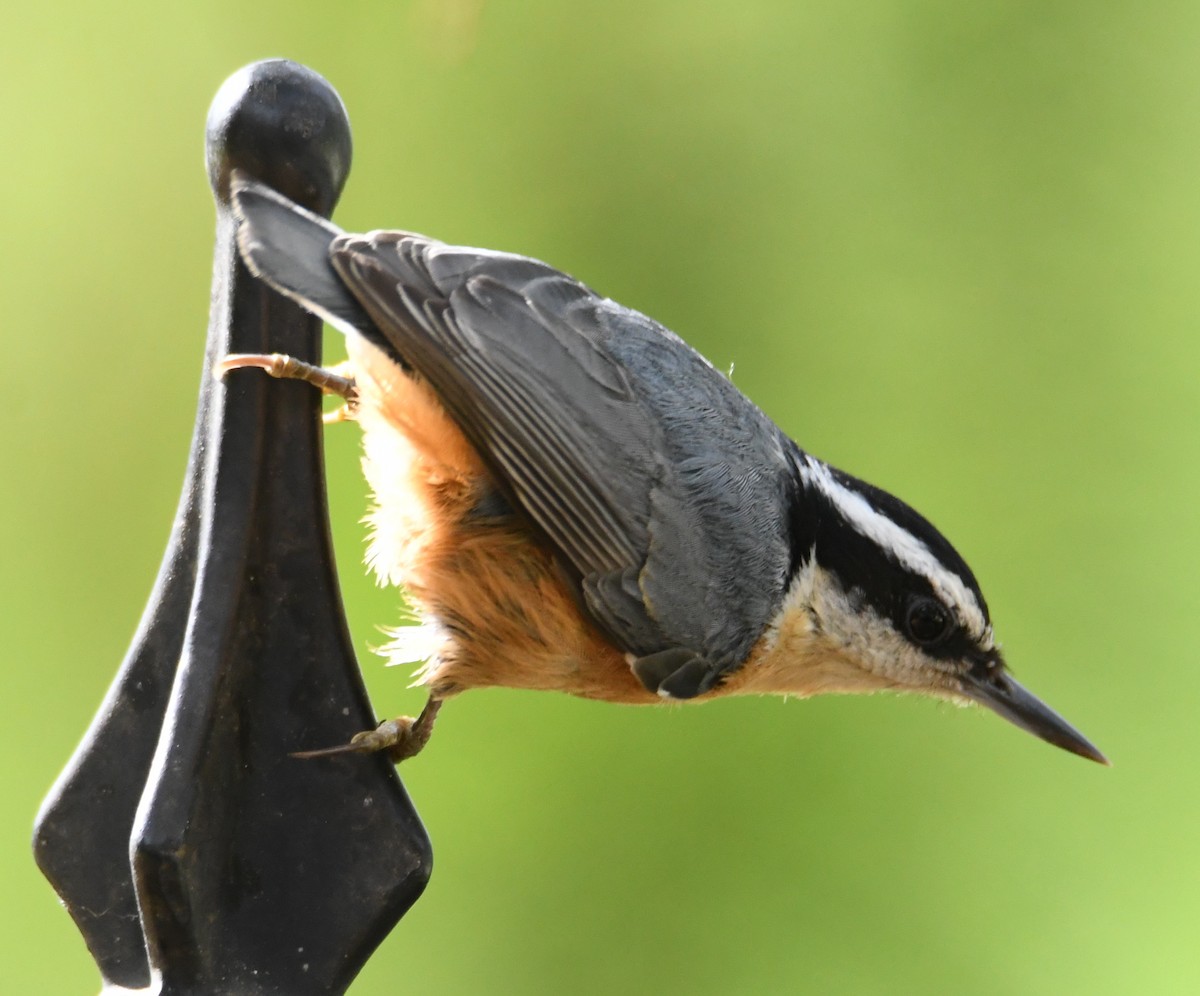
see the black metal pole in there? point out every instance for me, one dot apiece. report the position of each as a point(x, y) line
point(247, 870)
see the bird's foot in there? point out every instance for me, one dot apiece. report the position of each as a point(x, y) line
point(330, 380)
point(400, 738)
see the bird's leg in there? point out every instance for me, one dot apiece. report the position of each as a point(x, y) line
point(401, 738)
point(330, 380)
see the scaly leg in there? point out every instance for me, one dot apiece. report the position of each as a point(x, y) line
point(330, 380)
point(402, 738)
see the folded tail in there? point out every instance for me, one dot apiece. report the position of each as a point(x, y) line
point(287, 248)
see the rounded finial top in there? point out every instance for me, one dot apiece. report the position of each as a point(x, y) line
point(284, 124)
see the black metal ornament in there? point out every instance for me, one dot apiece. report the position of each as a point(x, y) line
point(193, 853)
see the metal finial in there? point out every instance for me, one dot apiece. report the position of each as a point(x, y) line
point(251, 871)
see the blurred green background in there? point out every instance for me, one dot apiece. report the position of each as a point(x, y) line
point(950, 247)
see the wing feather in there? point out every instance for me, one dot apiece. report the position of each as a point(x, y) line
point(609, 431)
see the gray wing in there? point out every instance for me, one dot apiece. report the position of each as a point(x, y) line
point(662, 487)
point(659, 483)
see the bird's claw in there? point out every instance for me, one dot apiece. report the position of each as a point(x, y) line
point(330, 380)
point(401, 738)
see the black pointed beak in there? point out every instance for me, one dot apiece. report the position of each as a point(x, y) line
point(1000, 693)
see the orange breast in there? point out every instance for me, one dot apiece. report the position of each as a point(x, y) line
point(491, 585)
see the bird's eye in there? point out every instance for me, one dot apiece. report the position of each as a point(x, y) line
point(927, 620)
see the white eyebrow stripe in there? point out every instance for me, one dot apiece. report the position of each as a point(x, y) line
point(907, 550)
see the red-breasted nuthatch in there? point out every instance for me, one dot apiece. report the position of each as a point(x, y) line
point(574, 499)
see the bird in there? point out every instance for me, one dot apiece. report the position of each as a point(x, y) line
point(574, 499)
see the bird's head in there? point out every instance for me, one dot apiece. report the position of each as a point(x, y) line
point(879, 599)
